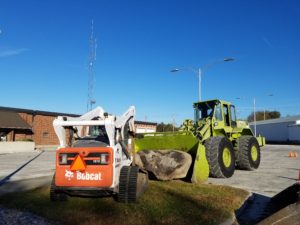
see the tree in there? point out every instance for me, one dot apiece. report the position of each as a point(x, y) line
point(264, 115)
point(162, 127)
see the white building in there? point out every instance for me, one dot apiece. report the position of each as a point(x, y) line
point(282, 130)
point(145, 127)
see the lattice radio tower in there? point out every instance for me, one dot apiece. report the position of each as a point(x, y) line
point(91, 72)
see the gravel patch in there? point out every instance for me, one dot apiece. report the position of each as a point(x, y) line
point(16, 217)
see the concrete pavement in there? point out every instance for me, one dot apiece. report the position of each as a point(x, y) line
point(24, 171)
point(276, 172)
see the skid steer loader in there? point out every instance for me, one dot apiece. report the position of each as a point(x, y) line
point(99, 162)
point(216, 140)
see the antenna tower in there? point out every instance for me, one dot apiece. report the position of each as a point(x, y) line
point(91, 72)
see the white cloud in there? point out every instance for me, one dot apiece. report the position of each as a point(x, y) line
point(12, 52)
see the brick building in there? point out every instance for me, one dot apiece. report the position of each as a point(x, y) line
point(38, 126)
point(24, 124)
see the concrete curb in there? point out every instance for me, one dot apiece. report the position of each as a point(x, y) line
point(232, 220)
point(229, 221)
point(16, 147)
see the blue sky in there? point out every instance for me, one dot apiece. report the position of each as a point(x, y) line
point(44, 48)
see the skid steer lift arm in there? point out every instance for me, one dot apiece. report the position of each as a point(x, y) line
point(125, 123)
point(128, 116)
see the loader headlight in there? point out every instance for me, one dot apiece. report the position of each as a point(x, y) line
point(63, 159)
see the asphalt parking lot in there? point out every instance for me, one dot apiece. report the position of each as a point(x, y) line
point(23, 171)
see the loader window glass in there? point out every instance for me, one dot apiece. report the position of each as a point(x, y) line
point(218, 112)
point(204, 110)
point(233, 116)
point(232, 110)
point(226, 115)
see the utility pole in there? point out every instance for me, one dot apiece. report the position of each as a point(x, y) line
point(173, 123)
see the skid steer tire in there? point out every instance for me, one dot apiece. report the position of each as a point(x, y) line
point(248, 155)
point(54, 195)
point(220, 157)
point(128, 184)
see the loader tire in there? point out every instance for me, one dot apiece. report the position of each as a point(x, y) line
point(220, 157)
point(54, 195)
point(248, 155)
point(128, 184)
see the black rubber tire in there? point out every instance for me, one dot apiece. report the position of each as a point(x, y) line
point(244, 156)
point(128, 184)
point(214, 153)
point(54, 195)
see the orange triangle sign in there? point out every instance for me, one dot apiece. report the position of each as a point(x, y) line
point(78, 164)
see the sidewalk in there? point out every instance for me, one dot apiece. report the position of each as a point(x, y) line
point(25, 171)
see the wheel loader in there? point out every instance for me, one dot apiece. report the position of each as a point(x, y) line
point(217, 142)
point(95, 157)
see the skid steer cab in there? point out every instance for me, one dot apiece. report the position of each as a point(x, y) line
point(95, 157)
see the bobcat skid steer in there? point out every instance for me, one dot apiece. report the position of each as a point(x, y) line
point(95, 157)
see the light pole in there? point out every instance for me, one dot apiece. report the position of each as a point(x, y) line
point(270, 95)
point(254, 116)
point(199, 72)
point(254, 112)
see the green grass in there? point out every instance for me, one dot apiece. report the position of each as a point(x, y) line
point(174, 202)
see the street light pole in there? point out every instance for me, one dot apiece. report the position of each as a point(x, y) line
point(199, 73)
point(254, 116)
point(254, 112)
point(200, 83)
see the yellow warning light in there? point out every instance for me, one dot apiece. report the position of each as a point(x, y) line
point(78, 164)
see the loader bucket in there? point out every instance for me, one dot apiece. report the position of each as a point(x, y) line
point(182, 141)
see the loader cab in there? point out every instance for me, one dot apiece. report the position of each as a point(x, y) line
point(224, 117)
point(222, 113)
point(204, 110)
point(229, 115)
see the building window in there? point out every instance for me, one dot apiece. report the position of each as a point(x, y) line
point(45, 134)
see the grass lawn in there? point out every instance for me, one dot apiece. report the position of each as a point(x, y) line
point(174, 202)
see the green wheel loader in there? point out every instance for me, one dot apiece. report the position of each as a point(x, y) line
point(217, 142)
